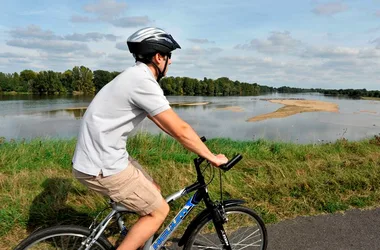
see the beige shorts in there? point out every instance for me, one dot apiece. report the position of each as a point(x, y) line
point(132, 187)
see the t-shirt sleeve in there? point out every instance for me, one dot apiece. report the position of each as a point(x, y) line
point(149, 96)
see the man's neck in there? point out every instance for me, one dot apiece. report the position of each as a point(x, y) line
point(153, 69)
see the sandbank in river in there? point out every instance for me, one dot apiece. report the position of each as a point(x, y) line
point(293, 107)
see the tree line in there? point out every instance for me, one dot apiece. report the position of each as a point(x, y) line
point(352, 93)
point(83, 80)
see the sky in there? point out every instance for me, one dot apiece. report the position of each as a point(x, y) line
point(304, 43)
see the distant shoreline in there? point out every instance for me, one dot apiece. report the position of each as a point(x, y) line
point(370, 98)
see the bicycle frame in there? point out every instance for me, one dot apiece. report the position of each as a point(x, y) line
point(167, 232)
point(200, 194)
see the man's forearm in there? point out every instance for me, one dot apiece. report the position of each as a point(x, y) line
point(190, 140)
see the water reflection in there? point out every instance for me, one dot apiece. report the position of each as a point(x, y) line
point(30, 116)
point(77, 113)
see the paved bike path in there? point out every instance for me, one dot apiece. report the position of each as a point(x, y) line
point(353, 230)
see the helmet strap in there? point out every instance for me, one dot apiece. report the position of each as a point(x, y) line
point(160, 73)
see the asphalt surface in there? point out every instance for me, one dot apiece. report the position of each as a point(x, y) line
point(353, 230)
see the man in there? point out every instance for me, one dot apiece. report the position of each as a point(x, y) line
point(101, 161)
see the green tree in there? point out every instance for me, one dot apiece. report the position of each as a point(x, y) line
point(101, 78)
point(82, 79)
point(67, 80)
point(27, 77)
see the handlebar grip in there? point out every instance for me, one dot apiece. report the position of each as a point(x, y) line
point(231, 163)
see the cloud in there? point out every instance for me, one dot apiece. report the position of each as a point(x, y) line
point(110, 11)
point(11, 55)
point(93, 36)
point(82, 19)
point(276, 72)
point(329, 9)
point(48, 45)
point(197, 50)
point(377, 41)
point(201, 41)
point(35, 32)
point(32, 31)
point(373, 30)
point(19, 60)
point(106, 9)
point(277, 42)
point(122, 46)
point(128, 22)
point(195, 55)
point(120, 57)
point(330, 52)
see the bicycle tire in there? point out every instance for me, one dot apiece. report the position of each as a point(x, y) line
point(54, 236)
point(201, 236)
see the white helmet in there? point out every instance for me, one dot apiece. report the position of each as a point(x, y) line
point(151, 40)
point(146, 42)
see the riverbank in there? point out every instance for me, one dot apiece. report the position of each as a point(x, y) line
point(278, 180)
point(371, 98)
point(296, 106)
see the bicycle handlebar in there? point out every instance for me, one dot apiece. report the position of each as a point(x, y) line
point(231, 163)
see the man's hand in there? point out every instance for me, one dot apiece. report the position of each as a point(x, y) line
point(219, 160)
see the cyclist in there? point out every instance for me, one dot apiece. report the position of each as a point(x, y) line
point(101, 161)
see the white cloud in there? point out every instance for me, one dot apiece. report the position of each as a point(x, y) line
point(110, 11)
point(122, 46)
point(376, 41)
point(106, 9)
point(82, 19)
point(11, 55)
point(128, 22)
point(329, 9)
point(32, 31)
point(201, 41)
point(93, 36)
point(19, 60)
point(330, 52)
point(195, 55)
point(49, 45)
point(277, 42)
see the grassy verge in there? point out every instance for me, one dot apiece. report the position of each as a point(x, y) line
point(278, 180)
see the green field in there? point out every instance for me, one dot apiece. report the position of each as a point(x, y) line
point(278, 180)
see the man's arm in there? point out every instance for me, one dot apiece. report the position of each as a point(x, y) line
point(173, 125)
point(159, 125)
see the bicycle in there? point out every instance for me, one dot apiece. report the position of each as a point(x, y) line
point(208, 230)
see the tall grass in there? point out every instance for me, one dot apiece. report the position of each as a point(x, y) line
point(278, 180)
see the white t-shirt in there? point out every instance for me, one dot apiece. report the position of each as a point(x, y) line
point(114, 112)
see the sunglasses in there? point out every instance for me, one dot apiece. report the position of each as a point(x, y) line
point(169, 55)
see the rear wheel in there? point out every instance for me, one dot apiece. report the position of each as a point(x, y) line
point(62, 237)
point(244, 229)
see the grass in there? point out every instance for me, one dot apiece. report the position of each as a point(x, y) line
point(278, 180)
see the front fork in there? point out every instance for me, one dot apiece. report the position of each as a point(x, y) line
point(219, 218)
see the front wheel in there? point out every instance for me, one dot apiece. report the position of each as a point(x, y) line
point(61, 237)
point(244, 229)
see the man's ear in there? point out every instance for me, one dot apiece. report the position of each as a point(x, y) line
point(157, 57)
